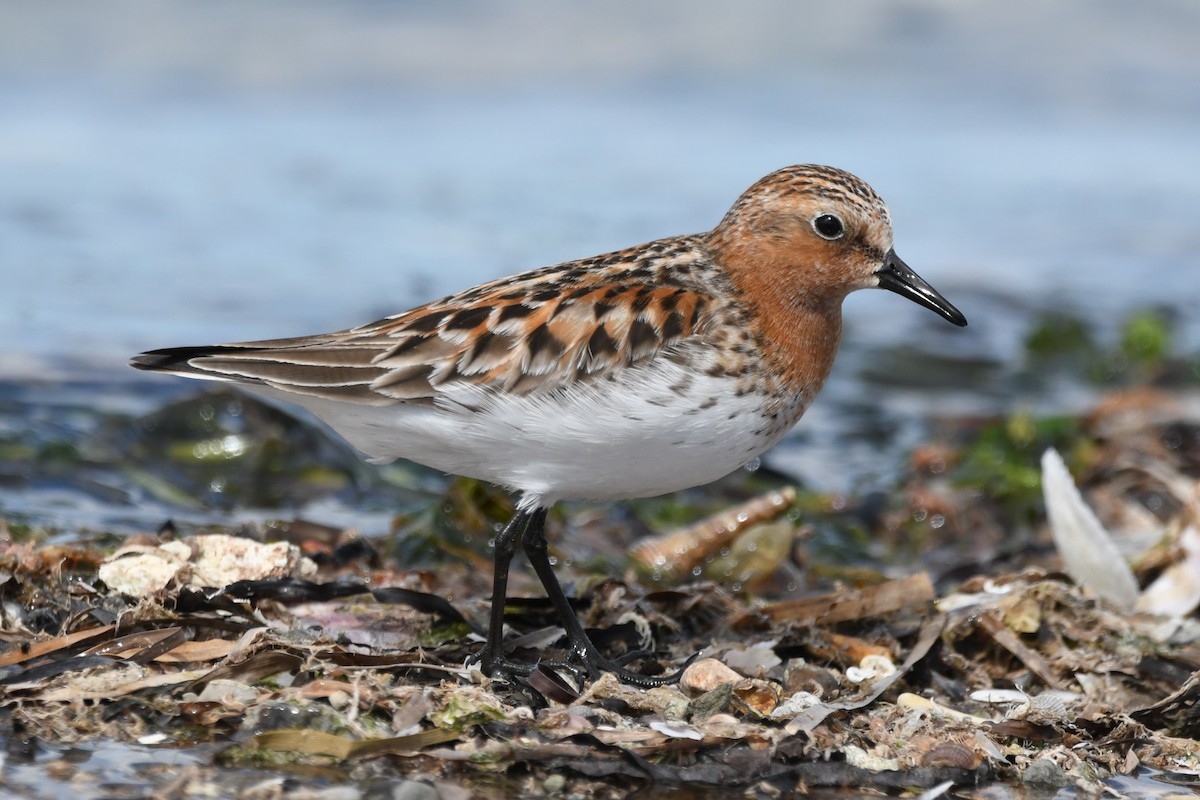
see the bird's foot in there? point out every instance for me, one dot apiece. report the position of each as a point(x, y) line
point(585, 663)
point(592, 668)
point(493, 663)
point(586, 660)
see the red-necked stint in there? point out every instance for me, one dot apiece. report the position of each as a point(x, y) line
point(629, 374)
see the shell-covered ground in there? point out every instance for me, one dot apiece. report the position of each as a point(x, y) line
point(939, 636)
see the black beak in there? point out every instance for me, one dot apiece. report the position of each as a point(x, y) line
point(898, 277)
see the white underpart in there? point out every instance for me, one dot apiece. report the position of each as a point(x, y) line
point(631, 437)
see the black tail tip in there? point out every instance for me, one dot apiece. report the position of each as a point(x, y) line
point(168, 359)
point(151, 361)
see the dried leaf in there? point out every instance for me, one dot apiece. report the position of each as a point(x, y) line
point(1004, 637)
point(253, 669)
point(39, 649)
point(344, 748)
point(159, 680)
point(148, 644)
point(39, 675)
point(190, 652)
point(870, 601)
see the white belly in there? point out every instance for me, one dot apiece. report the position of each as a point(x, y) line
point(632, 437)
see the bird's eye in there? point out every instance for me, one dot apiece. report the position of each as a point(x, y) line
point(828, 226)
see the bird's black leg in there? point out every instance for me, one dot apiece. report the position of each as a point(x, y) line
point(533, 541)
point(491, 658)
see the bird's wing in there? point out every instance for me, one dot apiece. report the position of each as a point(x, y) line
point(531, 333)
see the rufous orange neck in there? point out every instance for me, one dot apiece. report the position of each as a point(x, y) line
point(796, 305)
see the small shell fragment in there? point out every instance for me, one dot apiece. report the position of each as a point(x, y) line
point(212, 560)
point(951, 754)
point(870, 668)
point(999, 696)
point(706, 675)
point(761, 697)
point(915, 702)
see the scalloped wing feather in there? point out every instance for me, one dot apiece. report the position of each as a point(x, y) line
point(532, 333)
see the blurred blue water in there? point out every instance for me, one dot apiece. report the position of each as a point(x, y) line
point(207, 172)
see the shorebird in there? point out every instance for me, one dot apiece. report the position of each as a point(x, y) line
point(629, 374)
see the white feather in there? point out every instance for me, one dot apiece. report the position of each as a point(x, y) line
point(1087, 550)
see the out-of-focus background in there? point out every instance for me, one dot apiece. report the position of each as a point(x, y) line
point(191, 172)
point(178, 172)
